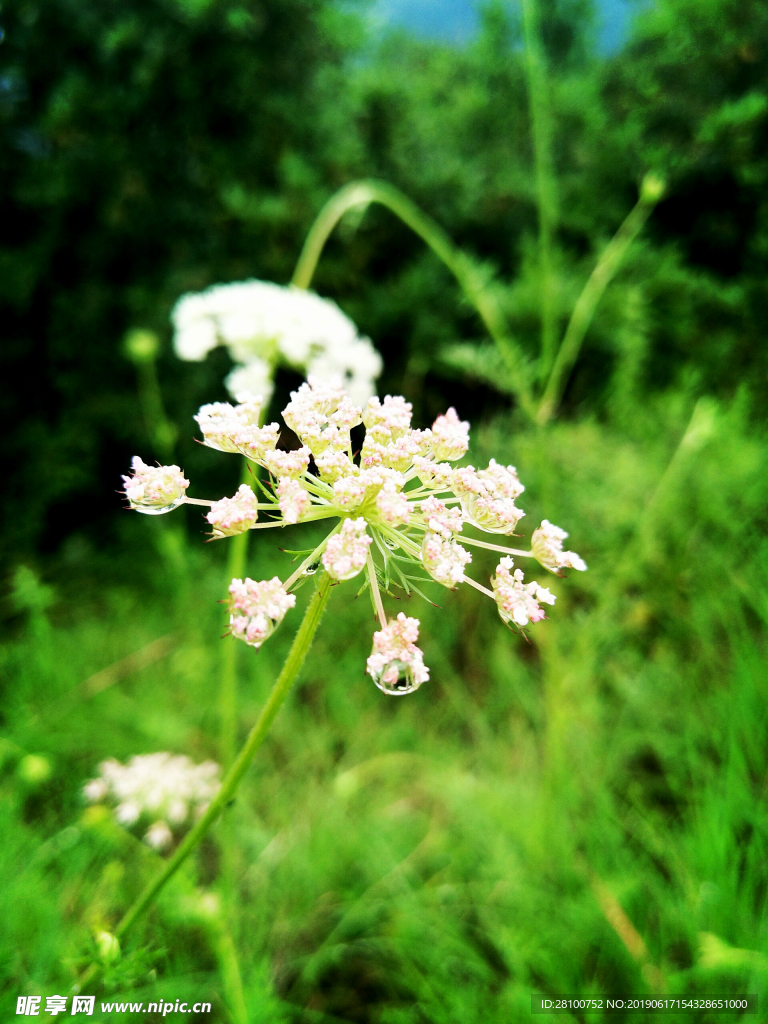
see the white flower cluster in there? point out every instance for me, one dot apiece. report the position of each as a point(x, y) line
point(265, 325)
point(154, 489)
point(397, 664)
point(168, 790)
point(257, 608)
point(234, 515)
point(547, 546)
point(517, 601)
point(402, 501)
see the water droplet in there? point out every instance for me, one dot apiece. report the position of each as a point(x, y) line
point(396, 679)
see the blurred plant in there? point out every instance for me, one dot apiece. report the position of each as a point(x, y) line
point(142, 347)
point(29, 594)
point(403, 497)
point(544, 174)
point(509, 369)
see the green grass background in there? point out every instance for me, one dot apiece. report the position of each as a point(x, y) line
point(584, 813)
point(581, 813)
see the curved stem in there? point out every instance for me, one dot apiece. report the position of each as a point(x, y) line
point(610, 261)
point(481, 297)
point(546, 182)
point(291, 668)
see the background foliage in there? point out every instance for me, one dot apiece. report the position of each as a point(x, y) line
point(582, 813)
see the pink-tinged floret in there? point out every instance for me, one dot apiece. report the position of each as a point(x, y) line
point(396, 657)
point(517, 601)
point(485, 498)
point(393, 414)
point(293, 463)
point(440, 518)
point(293, 500)
point(156, 488)
point(392, 506)
point(547, 547)
point(256, 608)
point(346, 552)
point(444, 560)
point(234, 515)
point(450, 436)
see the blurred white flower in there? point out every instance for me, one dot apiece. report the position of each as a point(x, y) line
point(265, 325)
point(168, 790)
point(158, 836)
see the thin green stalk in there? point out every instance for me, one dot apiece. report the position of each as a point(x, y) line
point(288, 674)
point(142, 347)
point(470, 279)
point(232, 981)
point(238, 551)
point(613, 255)
point(159, 427)
point(544, 172)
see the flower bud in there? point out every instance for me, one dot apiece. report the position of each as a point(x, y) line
point(450, 436)
point(141, 346)
point(652, 188)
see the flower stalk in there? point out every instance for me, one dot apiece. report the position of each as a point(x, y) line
point(360, 194)
point(555, 363)
point(291, 668)
point(651, 191)
point(546, 182)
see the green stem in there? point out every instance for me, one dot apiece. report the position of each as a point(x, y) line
point(238, 551)
point(470, 279)
point(546, 182)
point(651, 192)
point(232, 981)
point(288, 674)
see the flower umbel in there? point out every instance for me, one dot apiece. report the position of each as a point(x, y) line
point(400, 506)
